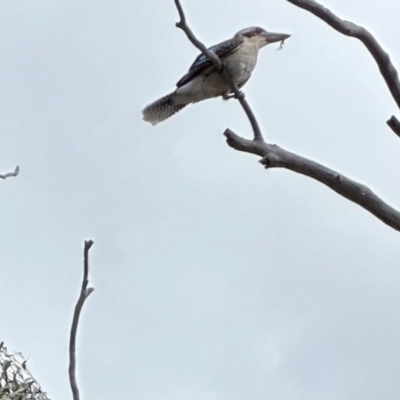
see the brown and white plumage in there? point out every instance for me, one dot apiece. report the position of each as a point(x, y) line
point(204, 81)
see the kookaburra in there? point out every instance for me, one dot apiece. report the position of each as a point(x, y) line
point(204, 80)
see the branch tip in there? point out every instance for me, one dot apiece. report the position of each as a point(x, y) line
point(11, 174)
point(84, 294)
point(394, 125)
point(88, 244)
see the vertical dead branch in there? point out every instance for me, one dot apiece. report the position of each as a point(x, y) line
point(84, 294)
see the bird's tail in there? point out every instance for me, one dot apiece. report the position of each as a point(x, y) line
point(161, 109)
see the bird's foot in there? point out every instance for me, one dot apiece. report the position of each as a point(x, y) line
point(227, 96)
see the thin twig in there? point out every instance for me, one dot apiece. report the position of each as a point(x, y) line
point(10, 174)
point(382, 58)
point(239, 95)
point(182, 25)
point(394, 124)
point(84, 294)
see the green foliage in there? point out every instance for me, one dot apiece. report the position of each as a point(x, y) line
point(16, 382)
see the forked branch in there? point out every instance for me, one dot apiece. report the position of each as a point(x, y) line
point(274, 156)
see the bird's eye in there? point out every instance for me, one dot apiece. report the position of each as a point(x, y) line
point(258, 30)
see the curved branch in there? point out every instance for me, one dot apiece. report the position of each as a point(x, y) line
point(238, 94)
point(10, 174)
point(84, 294)
point(274, 156)
point(382, 58)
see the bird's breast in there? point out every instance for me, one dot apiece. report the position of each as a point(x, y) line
point(242, 62)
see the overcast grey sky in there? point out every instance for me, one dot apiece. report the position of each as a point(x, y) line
point(215, 279)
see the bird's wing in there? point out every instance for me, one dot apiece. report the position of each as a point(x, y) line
point(222, 49)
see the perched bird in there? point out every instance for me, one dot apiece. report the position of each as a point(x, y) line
point(204, 81)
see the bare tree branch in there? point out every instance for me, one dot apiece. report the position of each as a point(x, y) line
point(394, 124)
point(239, 95)
point(382, 58)
point(274, 156)
point(10, 174)
point(84, 294)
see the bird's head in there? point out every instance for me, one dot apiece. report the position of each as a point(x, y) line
point(261, 37)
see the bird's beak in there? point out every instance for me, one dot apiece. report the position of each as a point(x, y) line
point(271, 37)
